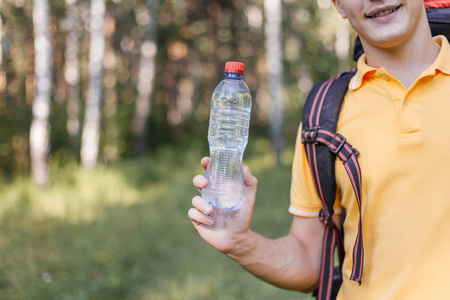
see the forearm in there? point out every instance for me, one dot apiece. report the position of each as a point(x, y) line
point(291, 262)
point(285, 262)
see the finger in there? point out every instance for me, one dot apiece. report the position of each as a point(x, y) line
point(205, 161)
point(249, 179)
point(198, 217)
point(200, 182)
point(202, 205)
point(250, 187)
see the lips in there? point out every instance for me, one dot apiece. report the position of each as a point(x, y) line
point(382, 12)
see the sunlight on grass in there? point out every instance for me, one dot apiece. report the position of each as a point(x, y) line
point(80, 196)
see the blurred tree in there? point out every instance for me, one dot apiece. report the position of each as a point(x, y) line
point(91, 128)
point(272, 29)
point(2, 74)
point(40, 127)
point(147, 17)
point(1, 43)
point(110, 131)
point(72, 67)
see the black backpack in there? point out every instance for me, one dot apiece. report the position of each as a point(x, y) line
point(322, 146)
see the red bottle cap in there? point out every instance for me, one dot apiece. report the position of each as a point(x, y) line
point(234, 67)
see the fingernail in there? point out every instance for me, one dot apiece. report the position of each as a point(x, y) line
point(203, 181)
point(209, 221)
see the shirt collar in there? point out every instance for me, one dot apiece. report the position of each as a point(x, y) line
point(441, 64)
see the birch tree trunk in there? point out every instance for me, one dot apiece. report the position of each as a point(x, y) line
point(91, 128)
point(72, 69)
point(40, 127)
point(272, 29)
point(146, 77)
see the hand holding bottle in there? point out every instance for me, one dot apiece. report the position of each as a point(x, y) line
point(221, 228)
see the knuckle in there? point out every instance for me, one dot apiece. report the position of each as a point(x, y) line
point(191, 213)
point(198, 180)
point(205, 162)
point(195, 201)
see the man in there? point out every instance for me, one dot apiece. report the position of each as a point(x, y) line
point(395, 114)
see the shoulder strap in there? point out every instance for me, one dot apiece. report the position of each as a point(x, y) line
point(439, 20)
point(322, 145)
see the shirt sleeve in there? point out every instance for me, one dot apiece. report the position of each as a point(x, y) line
point(304, 199)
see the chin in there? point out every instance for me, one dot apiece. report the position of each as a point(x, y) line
point(387, 39)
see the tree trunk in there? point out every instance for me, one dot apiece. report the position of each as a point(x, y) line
point(40, 127)
point(91, 128)
point(1, 42)
point(72, 70)
point(146, 78)
point(272, 29)
point(2, 74)
point(110, 145)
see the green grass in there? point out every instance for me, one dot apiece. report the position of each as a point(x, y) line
point(122, 232)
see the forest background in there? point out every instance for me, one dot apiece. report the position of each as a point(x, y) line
point(104, 109)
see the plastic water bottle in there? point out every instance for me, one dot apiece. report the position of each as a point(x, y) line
point(229, 121)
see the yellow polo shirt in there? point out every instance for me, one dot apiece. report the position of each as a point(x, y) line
point(403, 137)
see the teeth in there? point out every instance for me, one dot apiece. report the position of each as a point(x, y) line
point(384, 13)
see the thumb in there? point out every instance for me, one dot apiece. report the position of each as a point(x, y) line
point(250, 187)
point(249, 180)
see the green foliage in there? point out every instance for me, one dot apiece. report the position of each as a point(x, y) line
point(195, 39)
point(122, 232)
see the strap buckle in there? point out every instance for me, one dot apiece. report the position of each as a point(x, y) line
point(310, 135)
point(352, 151)
point(326, 218)
point(341, 144)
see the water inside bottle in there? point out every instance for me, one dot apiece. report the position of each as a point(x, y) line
point(223, 197)
point(224, 173)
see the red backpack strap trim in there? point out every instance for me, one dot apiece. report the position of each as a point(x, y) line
point(322, 146)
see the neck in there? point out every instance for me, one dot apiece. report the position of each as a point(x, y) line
point(407, 60)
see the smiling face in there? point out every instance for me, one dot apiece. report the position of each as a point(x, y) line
point(384, 23)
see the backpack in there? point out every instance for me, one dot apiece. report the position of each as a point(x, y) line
point(322, 145)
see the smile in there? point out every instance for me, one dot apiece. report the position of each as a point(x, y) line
point(383, 13)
